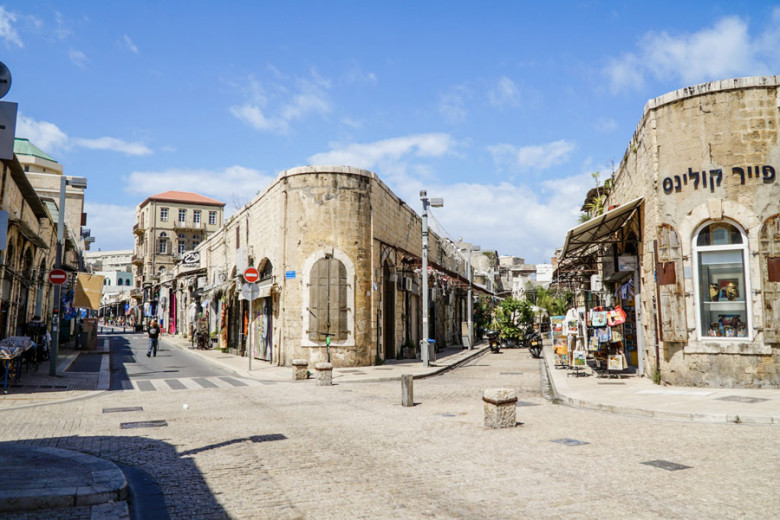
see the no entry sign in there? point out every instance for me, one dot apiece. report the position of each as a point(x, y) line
point(57, 276)
point(251, 275)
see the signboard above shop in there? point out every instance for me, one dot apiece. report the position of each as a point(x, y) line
point(190, 259)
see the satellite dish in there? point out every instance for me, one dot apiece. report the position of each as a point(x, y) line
point(5, 79)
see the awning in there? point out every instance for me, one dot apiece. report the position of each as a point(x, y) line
point(597, 230)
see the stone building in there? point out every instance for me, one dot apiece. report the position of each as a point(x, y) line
point(694, 225)
point(339, 260)
point(27, 255)
point(166, 226)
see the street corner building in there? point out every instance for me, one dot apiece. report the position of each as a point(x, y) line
point(339, 260)
point(694, 210)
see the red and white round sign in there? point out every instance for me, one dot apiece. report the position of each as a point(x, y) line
point(58, 276)
point(251, 275)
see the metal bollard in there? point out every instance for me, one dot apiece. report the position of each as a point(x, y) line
point(407, 391)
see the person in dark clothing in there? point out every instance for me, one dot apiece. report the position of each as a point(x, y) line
point(154, 335)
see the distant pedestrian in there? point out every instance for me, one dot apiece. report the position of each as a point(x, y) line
point(154, 335)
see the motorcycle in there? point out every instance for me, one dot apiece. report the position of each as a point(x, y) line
point(533, 340)
point(493, 341)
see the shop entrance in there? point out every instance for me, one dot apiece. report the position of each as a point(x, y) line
point(388, 313)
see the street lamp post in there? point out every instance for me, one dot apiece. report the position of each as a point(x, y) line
point(435, 203)
point(76, 182)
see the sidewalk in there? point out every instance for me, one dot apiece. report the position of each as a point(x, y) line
point(37, 387)
point(635, 395)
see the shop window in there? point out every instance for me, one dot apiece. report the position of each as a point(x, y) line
point(328, 300)
point(723, 284)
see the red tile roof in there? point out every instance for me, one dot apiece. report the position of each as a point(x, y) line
point(185, 197)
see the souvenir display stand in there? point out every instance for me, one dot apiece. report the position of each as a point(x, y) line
point(606, 340)
point(560, 345)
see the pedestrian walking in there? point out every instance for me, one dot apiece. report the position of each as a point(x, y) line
point(154, 338)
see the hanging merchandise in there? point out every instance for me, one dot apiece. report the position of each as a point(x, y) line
point(604, 335)
point(599, 317)
point(572, 322)
point(617, 316)
point(616, 336)
point(593, 343)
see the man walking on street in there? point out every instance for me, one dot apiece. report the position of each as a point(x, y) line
point(154, 335)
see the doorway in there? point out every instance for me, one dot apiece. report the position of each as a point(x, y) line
point(388, 312)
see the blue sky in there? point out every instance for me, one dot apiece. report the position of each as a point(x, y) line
point(503, 108)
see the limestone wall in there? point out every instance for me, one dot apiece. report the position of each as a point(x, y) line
point(685, 159)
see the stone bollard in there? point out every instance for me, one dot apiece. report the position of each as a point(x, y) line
point(300, 369)
point(500, 407)
point(324, 374)
point(407, 390)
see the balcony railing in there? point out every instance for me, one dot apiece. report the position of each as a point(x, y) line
point(137, 260)
point(137, 230)
point(188, 225)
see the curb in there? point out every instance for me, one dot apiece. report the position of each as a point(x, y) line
point(711, 418)
point(108, 484)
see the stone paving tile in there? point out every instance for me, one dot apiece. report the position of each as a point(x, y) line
point(352, 451)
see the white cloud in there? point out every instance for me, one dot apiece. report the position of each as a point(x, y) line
point(78, 58)
point(534, 157)
point(452, 104)
point(386, 152)
point(727, 49)
point(235, 183)
point(111, 225)
point(514, 219)
point(128, 43)
point(273, 108)
point(504, 94)
point(7, 30)
point(49, 138)
point(112, 144)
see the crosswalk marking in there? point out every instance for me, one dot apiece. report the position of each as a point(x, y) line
point(190, 383)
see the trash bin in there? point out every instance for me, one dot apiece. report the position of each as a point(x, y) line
point(431, 350)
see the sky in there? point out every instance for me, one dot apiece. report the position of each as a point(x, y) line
point(504, 108)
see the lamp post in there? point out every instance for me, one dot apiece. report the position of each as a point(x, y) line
point(472, 248)
point(76, 182)
point(435, 203)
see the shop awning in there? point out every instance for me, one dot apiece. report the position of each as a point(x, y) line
point(597, 230)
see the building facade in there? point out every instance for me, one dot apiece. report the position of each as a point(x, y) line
point(166, 226)
point(339, 258)
point(27, 255)
point(699, 192)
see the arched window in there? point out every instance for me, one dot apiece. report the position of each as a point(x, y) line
point(720, 251)
point(328, 300)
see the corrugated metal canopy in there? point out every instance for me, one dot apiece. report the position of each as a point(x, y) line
point(597, 230)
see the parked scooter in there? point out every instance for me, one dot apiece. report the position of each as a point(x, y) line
point(493, 341)
point(533, 340)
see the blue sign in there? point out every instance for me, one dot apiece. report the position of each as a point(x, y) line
point(289, 274)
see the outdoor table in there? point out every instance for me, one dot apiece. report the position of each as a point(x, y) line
point(11, 350)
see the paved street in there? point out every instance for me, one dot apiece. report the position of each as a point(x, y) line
point(297, 450)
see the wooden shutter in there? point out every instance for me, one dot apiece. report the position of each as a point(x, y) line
point(769, 252)
point(673, 322)
point(328, 300)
